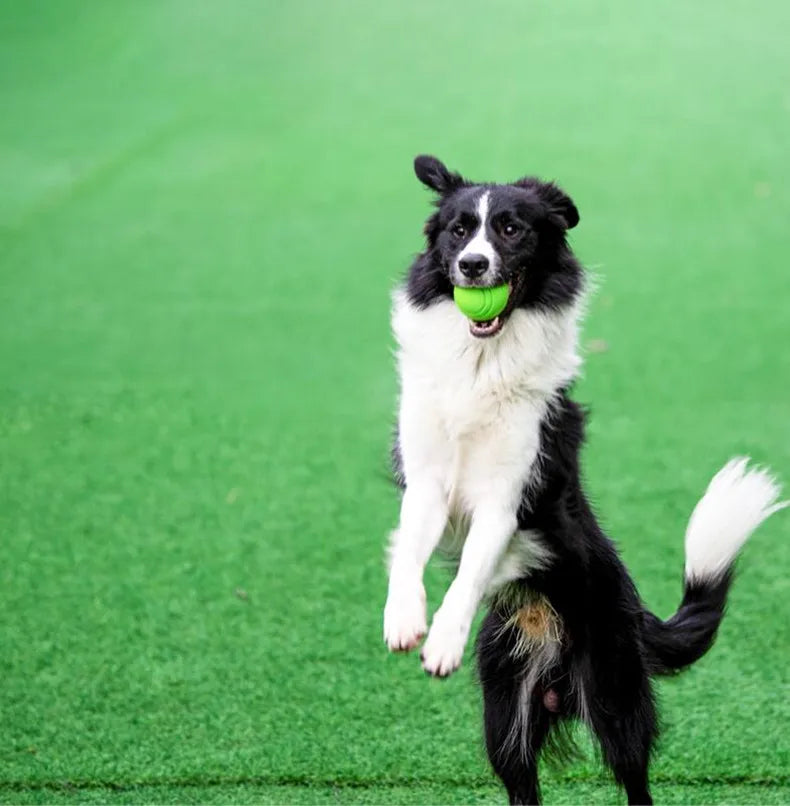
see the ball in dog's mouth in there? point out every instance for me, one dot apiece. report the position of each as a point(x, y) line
point(484, 307)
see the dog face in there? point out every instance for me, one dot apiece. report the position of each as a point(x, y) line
point(485, 235)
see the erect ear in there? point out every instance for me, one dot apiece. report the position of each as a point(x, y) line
point(434, 174)
point(562, 210)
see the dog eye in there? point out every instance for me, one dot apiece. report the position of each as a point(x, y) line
point(511, 230)
point(459, 230)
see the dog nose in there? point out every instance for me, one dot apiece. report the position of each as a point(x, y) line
point(472, 266)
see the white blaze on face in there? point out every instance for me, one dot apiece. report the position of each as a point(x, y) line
point(480, 245)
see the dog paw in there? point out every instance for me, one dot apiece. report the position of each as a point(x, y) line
point(405, 624)
point(443, 650)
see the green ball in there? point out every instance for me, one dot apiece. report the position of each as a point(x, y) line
point(481, 304)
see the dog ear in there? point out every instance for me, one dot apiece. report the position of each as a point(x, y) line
point(434, 174)
point(562, 210)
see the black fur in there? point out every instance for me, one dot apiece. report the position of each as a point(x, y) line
point(612, 644)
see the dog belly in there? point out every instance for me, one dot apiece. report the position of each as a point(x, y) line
point(526, 553)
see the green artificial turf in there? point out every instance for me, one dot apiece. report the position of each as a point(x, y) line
point(203, 207)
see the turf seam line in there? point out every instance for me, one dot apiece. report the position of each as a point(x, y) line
point(389, 783)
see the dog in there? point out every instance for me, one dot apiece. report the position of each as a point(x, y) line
point(487, 455)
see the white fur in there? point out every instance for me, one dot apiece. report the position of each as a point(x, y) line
point(526, 552)
point(422, 523)
point(737, 501)
point(480, 245)
point(543, 658)
point(469, 425)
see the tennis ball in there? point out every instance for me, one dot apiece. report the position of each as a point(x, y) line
point(481, 304)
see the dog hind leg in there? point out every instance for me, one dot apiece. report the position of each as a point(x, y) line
point(516, 721)
point(625, 724)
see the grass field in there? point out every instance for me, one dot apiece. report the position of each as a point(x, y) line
point(203, 207)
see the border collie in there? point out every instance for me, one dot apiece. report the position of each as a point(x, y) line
point(487, 455)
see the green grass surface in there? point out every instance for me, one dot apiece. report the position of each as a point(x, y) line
point(203, 206)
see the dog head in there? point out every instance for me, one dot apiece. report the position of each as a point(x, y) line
point(485, 235)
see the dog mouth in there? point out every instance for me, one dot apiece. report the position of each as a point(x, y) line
point(490, 327)
point(484, 329)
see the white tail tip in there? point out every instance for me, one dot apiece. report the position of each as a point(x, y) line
point(737, 501)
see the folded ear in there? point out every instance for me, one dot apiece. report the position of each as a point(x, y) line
point(562, 210)
point(434, 174)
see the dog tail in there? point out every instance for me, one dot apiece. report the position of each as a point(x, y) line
point(737, 501)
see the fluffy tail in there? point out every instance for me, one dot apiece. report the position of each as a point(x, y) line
point(737, 501)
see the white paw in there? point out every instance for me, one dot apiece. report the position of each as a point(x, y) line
point(404, 617)
point(443, 650)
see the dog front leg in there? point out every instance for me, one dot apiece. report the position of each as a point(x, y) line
point(423, 518)
point(491, 530)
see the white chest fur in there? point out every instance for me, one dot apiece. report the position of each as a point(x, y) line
point(471, 409)
point(469, 424)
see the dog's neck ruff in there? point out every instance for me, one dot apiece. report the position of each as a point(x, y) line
point(536, 353)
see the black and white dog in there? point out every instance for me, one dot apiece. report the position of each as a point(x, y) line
point(487, 453)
